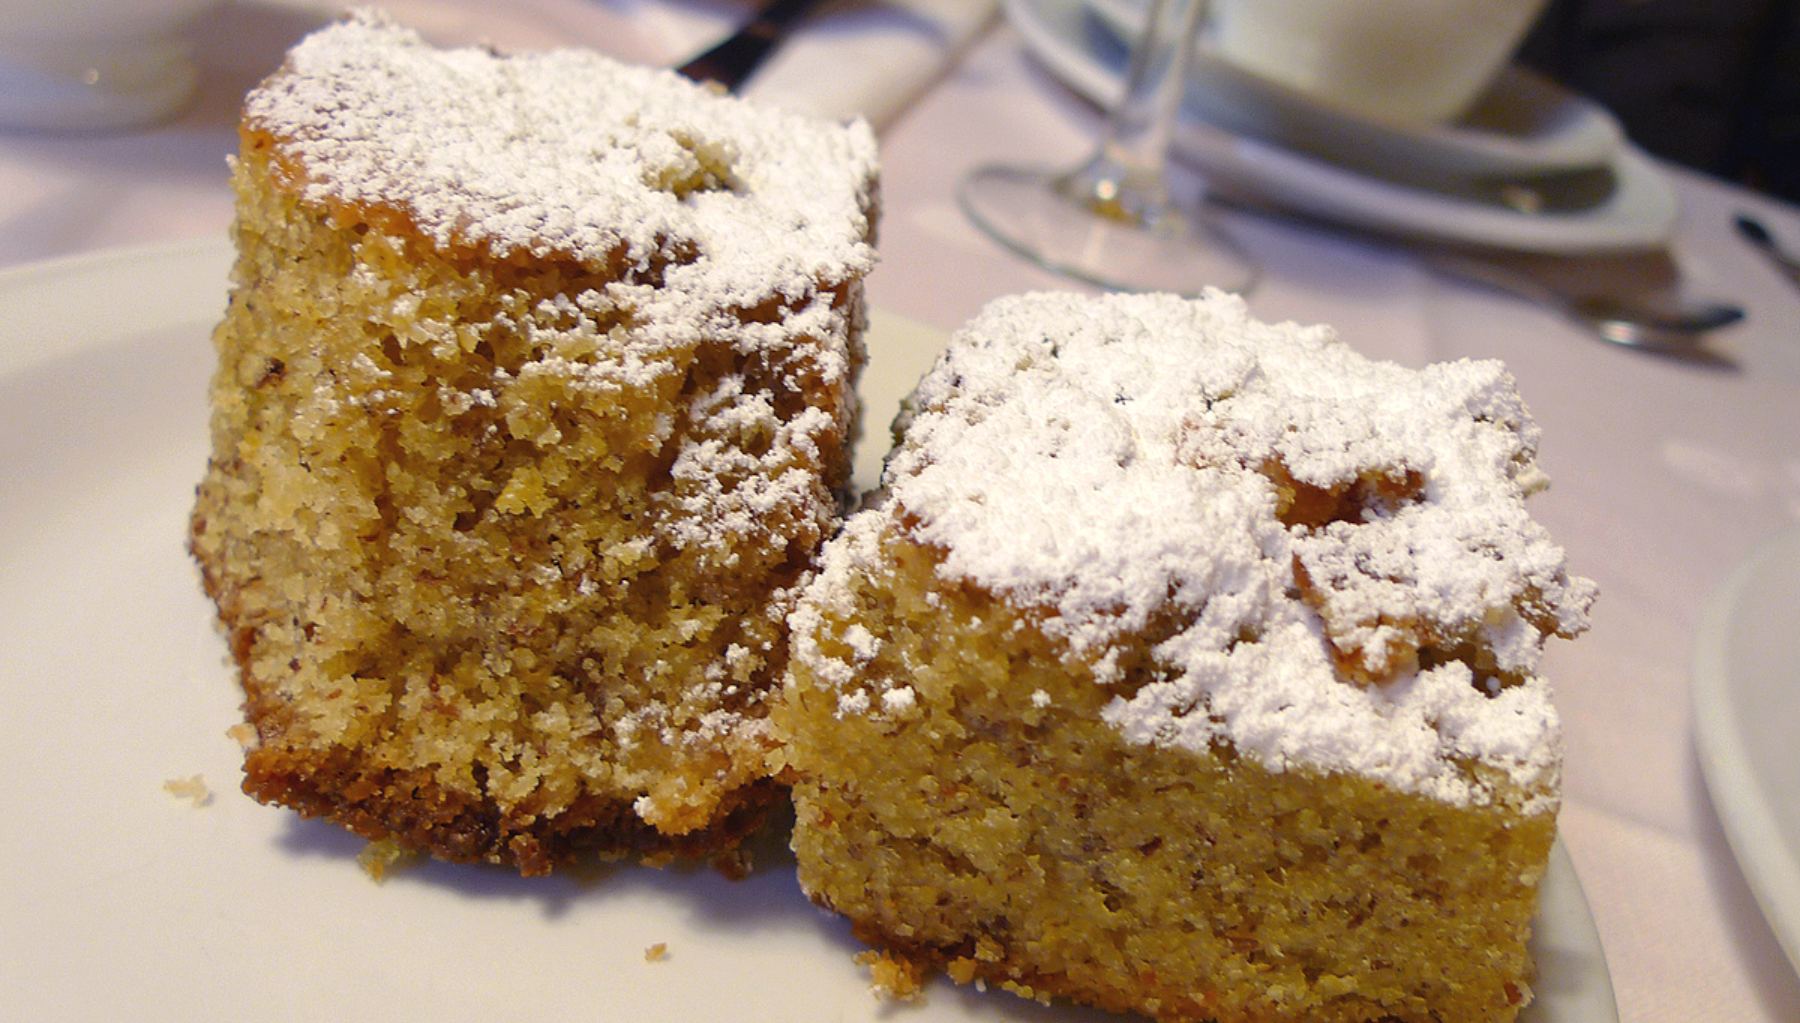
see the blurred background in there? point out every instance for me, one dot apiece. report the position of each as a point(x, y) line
point(1713, 84)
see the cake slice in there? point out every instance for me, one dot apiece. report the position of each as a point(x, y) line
point(533, 403)
point(1187, 666)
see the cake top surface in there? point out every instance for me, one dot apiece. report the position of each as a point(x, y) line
point(569, 153)
point(1331, 556)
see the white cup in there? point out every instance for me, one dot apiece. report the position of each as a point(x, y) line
point(94, 64)
point(1404, 60)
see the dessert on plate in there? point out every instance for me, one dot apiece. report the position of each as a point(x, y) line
point(533, 403)
point(1188, 665)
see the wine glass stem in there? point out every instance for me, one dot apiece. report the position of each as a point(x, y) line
point(1125, 178)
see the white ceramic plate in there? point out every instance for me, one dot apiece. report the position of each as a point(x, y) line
point(1638, 213)
point(121, 901)
point(1524, 124)
point(1746, 717)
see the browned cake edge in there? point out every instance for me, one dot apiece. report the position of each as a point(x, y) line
point(916, 962)
point(412, 809)
point(1014, 974)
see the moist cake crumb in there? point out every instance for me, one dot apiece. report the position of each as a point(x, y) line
point(380, 858)
point(193, 788)
point(533, 404)
point(1188, 665)
point(893, 978)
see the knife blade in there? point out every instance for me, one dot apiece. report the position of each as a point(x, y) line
point(731, 63)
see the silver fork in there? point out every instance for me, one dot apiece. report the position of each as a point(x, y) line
point(733, 61)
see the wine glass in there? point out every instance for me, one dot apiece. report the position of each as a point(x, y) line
point(1110, 221)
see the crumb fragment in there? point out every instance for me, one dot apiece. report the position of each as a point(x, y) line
point(244, 733)
point(734, 864)
point(379, 857)
point(892, 978)
point(192, 788)
point(657, 953)
point(961, 969)
point(1023, 990)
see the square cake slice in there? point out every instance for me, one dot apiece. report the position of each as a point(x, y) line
point(1186, 665)
point(533, 404)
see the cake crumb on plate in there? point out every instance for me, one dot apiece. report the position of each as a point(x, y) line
point(892, 978)
point(192, 788)
point(379, 857)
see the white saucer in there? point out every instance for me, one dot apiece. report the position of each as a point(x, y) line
point(1525, 124)
point(1638, 213)
point(1746, 696)
point(128, 903)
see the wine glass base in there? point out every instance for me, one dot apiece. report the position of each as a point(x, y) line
point(1053, 220)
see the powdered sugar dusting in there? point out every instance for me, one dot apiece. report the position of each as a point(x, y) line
point(1334, 551)
point(692, 268)
point(710, 221)
point(568, 153)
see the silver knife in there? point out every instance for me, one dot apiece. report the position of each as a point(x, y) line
point(732, 62)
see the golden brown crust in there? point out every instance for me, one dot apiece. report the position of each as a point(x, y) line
point(1147, 993)
point(410, 808)
point(964, 964)
point(421, 815)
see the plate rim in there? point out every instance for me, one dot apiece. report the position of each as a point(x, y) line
point(163, 258)
point(1738, 794)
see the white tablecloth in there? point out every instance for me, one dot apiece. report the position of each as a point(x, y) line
point(1666, 473)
